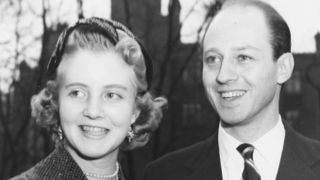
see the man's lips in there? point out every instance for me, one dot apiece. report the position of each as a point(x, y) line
point(229, 95)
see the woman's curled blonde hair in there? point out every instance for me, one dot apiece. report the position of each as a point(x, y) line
point(45, 104)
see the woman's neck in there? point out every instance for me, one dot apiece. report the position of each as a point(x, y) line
point(105, 165)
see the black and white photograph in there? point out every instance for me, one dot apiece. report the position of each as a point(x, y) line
point(159, 90)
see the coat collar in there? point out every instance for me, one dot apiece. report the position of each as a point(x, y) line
point(206, 165)
point(60, 165)
point(297, 158)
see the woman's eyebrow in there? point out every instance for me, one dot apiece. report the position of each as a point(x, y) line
point(117, 86)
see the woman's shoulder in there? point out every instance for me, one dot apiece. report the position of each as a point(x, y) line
point(27, 175)
point(57, 165)
point(36, 172)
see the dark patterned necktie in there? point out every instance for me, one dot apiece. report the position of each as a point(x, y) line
point(250, 172)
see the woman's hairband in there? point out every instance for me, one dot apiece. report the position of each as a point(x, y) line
point(109, 29)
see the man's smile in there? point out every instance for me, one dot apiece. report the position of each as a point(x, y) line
point(233, 94)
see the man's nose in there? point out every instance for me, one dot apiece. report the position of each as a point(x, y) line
point(93, 109)
point(227, 72)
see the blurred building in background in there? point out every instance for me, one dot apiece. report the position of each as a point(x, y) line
point(300, 103)
point(190, 118)
point(177, 75)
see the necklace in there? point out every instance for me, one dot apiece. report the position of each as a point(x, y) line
point(102, 176)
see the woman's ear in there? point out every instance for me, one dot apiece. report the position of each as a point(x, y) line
point(285, 65)
point(135, 115)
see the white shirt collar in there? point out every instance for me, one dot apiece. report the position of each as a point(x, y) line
point(227, 144)
point(267, 155)
point(270, 144)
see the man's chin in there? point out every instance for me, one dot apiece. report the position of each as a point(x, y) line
point(229, 122)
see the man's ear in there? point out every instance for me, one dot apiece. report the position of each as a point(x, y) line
point(285, 65)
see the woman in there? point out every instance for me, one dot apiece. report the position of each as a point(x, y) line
point(96, 101)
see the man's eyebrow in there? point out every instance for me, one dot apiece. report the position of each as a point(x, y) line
point(212, 49)
point(75, 84)
point(241, 48)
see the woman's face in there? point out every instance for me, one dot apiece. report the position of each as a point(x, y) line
point(96, 102)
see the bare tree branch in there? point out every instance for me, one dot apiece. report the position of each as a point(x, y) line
point(17, 33)
point(8, 102)
point(5, 42)
point(31, 9)
point(41, 65)
point(24, 47)
point(164, 64)
point(80, 9)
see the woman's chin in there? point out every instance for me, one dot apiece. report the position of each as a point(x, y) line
point(97, 153)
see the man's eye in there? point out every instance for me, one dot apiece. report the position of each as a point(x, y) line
point(244, 58)
point(211, 60)
point(77, 94)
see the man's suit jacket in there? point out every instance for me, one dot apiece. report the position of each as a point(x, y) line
point(300, 160)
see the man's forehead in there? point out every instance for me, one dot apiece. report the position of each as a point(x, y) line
point(239, 14)
point(238, 28)
point(236, 16)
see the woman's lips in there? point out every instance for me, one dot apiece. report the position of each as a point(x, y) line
point(93, 130)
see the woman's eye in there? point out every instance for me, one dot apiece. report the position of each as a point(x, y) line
point(77, 94)
point(113, 96)
point(244, 58)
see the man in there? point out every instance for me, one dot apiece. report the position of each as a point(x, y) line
point(246, 59)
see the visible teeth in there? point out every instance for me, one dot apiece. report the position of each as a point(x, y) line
point(94, 130)
point(231, 94)
point(91, 128)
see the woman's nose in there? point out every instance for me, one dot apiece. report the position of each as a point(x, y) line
point(93, 109)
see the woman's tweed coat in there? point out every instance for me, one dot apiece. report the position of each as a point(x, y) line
point(58, 165)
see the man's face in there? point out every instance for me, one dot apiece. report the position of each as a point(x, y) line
point(239, 73)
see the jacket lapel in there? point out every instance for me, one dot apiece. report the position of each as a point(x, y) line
point(296, 161)
point(206, 166)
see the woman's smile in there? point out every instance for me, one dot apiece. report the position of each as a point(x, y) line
point(94, 131)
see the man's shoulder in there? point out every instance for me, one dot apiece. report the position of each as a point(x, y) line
point(307, 145)
point(183, 154)
point(304, 149)
point(300, 157)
